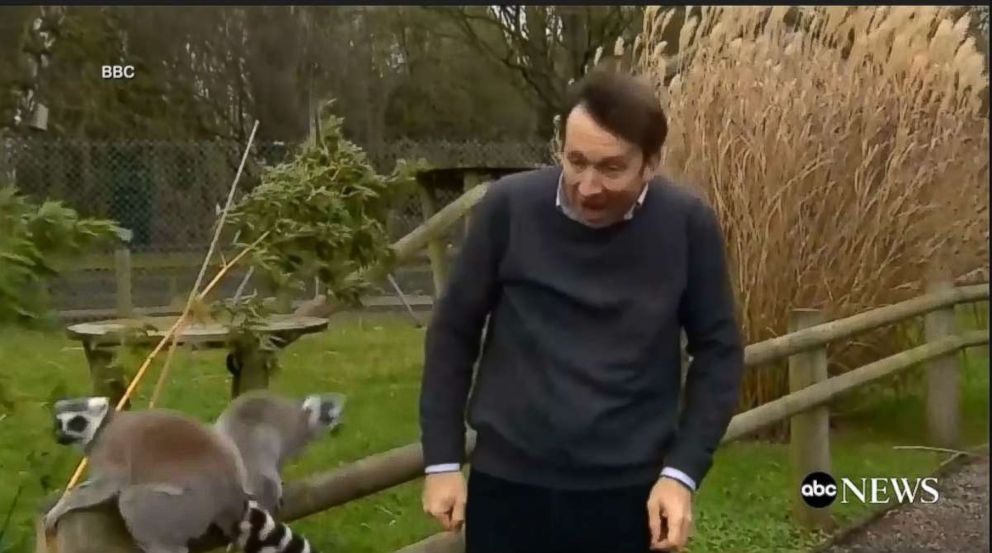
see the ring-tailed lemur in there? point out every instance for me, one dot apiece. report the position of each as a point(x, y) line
point(172, 477)
point(269, 430)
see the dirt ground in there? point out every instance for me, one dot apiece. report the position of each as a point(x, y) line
point(958, 522)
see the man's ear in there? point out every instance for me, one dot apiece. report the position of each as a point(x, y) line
point(652, 166)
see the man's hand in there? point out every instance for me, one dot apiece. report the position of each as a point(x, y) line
point(444, 498)
point(669, 508)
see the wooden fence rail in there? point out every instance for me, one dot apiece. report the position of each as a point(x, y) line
point(821, 393)
point(820, 335)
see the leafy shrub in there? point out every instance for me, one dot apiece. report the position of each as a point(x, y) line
point(33, 238)
point(325, 213)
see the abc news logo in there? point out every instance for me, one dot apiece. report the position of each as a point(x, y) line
point(117, 71)
point(820, 490)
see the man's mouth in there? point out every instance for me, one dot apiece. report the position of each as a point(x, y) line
point(593, 206)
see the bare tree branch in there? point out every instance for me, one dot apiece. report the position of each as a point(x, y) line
point(541, 44)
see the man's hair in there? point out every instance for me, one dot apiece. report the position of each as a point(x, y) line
point(622, 104)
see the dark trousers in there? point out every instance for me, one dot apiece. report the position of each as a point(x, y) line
point(506, 517)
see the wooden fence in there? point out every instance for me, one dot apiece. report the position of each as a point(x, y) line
point(124, 275)
point(806, 406)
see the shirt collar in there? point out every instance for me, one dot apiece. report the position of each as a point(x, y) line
point(561, 204)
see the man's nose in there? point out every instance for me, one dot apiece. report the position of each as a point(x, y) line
point(589, 185)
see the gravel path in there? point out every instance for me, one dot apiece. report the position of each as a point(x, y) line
point(958, 522)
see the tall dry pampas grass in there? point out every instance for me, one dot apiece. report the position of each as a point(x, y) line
point(846, 156)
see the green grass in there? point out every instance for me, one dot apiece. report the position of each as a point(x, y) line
point(743, 505)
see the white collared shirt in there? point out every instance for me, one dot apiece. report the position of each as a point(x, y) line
point(563, 205)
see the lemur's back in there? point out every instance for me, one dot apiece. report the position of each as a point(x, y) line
point(163, 446)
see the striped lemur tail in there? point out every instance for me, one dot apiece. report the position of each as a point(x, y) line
point(259, 532)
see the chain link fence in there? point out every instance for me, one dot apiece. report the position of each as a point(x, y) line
point(169, 193)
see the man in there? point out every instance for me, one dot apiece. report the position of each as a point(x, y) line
point(587, 274)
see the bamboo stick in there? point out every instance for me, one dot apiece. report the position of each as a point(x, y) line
point(163, 375)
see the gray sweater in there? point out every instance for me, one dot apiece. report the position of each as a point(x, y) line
point(579, 375)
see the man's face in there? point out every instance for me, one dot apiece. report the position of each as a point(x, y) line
point(603, 174)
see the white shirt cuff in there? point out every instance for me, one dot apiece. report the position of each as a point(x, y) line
point(445, 467)
point(682, 477)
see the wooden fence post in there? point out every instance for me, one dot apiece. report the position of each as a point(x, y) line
point(122, 267)
point(173, 287)
point(809, 432)
point(943, 375)
point(470, 180)
point(435, 246)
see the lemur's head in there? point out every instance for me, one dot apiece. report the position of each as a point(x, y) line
point(293, 423)
point(323, 411)
point(77, 420)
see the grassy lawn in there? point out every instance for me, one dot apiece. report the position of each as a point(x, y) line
point(375, 360)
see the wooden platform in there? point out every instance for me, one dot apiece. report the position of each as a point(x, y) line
point(375, 303)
